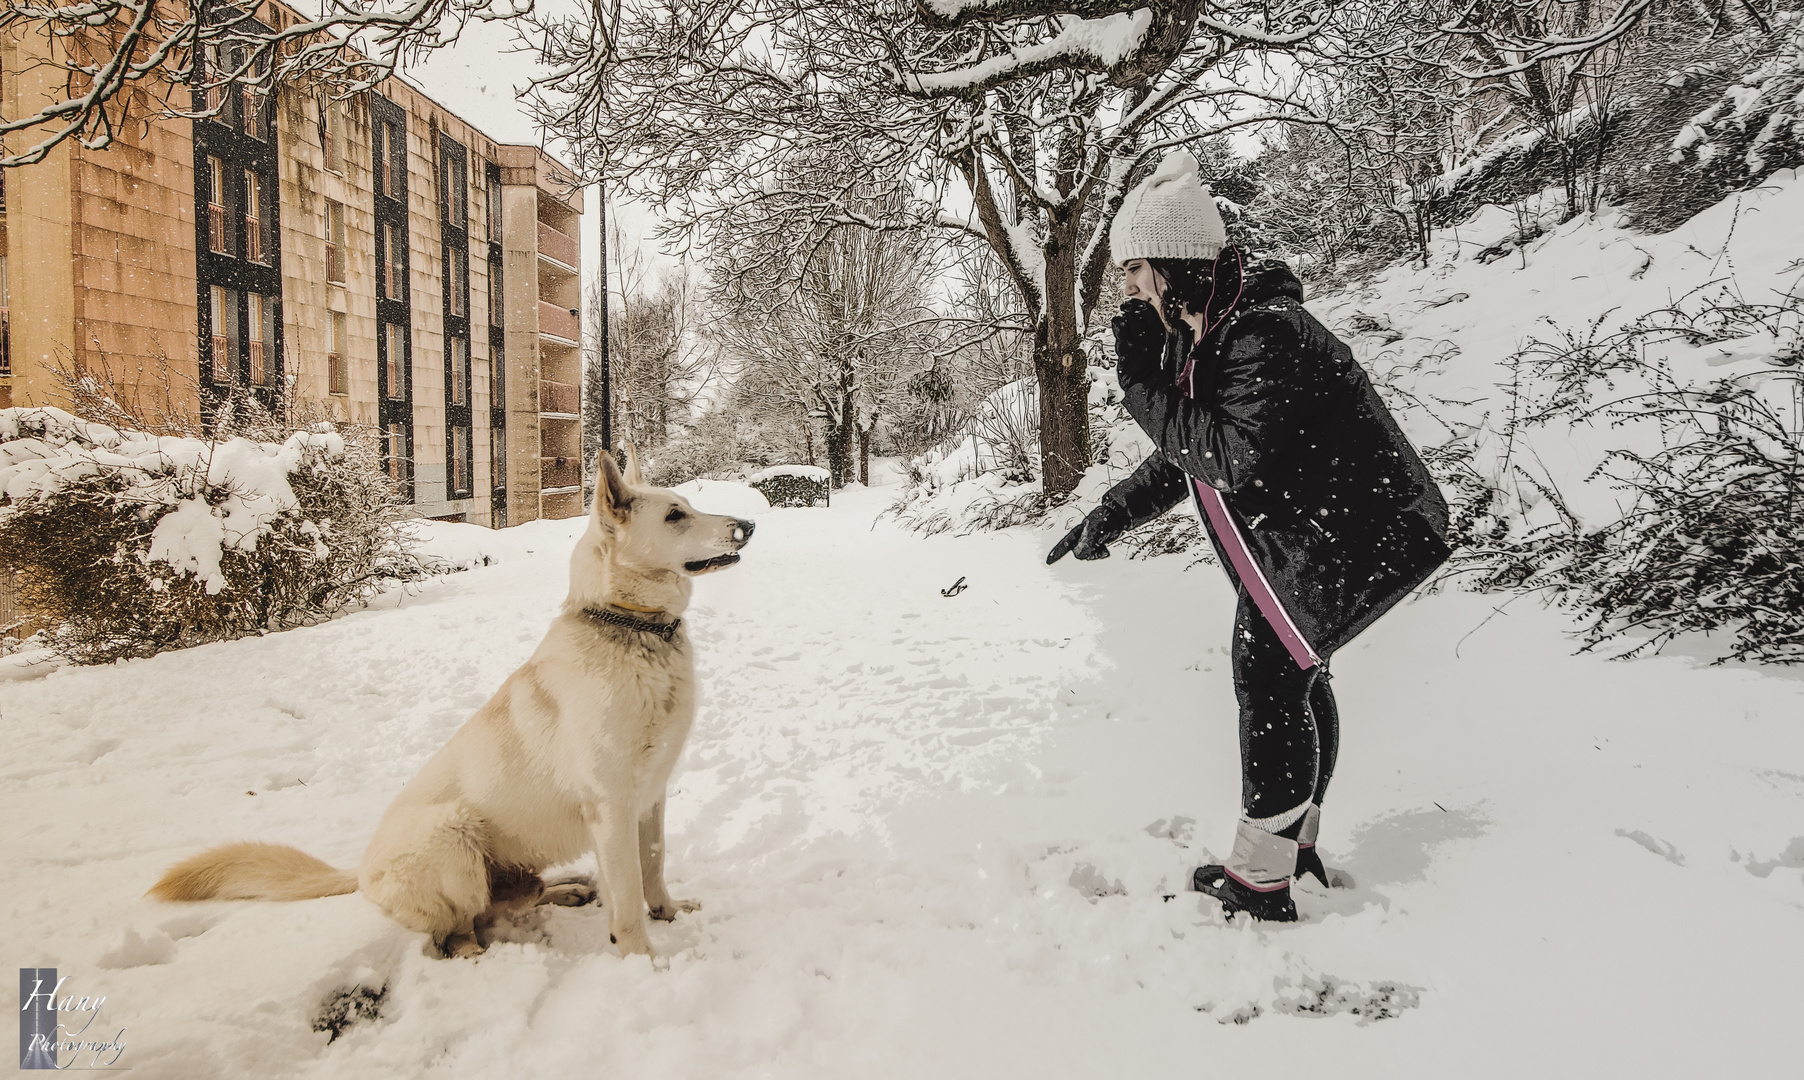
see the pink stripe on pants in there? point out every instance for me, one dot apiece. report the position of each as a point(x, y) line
point(1215, 508)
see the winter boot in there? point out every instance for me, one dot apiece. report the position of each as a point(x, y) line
point(1256, 878)
point(1309, 860)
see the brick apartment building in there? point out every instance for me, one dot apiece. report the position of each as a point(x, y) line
point(377, 259)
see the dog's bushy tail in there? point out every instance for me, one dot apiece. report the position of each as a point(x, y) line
point(252, 872)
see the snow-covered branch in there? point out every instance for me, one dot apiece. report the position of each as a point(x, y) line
point(1099, 45)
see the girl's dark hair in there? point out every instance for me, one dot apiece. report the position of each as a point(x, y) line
point(1210, 287)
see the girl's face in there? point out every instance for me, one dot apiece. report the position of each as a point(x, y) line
point(1142, 282)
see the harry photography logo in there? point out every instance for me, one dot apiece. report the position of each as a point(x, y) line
point(53, 1022)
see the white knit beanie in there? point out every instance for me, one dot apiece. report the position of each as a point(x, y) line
point(1171, 215)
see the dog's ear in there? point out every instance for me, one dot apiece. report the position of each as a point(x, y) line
point(612, 495)
point(633, 479)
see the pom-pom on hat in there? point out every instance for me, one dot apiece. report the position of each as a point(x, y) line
point(1171, 215)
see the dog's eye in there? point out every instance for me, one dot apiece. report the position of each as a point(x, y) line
point(676, 514)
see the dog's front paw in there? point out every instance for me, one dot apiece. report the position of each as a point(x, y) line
point(569, 894)
point(632, 943)
point(462, 946)
point(668, 910)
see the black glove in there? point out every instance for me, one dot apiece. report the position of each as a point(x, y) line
point(1139, 341)
point(1090, 540)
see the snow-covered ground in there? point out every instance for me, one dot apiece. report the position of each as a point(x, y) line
point(935, 835)
point(947, 835)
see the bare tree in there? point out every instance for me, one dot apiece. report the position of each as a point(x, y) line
point(659, 363)
point(834, 348)
point(1549, 65)
point(1019, 122)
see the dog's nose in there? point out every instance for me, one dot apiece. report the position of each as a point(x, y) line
point(742, 530)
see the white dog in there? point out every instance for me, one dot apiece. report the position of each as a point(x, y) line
point(571, 754)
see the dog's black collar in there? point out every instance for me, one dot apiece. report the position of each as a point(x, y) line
point(614, 618)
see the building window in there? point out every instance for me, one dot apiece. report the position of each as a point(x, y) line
point(256, 113)
point(454, 188)
point(497, 458)
point(219, 237)
point(494, 222)
point(460, 371)
point(397, 158)
point(260, 312)
point(390, 164)
point(397, 453)
point(337, 379)
point(395, 360)
point(223, 316)
point(497, 303)
point(395, 262)
point(331, 135)
point(6, 337)
point(458, 287)
point(379, 158)
point(335, 242)
point(460, 461)
point(211, 74)
point(253, 216)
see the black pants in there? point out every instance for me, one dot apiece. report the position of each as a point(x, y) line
point(1289, 729)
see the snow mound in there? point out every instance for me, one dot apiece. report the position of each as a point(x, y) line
point(727, 497)
point(806, 472)
point(452, 545)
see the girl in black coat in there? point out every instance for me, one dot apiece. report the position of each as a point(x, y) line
point(1318, 507)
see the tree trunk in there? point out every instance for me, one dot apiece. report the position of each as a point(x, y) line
point(839, 450)
point(864, 457)
point(807, 437)
point(1061, 372)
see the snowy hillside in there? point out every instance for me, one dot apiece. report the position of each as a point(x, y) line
point(1443, 333)
point(947, 835)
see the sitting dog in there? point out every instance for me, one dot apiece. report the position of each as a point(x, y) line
point(571, 754)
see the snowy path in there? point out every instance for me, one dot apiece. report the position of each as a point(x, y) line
point(899, 810)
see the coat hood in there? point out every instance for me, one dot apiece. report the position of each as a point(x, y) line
point(1242, 281)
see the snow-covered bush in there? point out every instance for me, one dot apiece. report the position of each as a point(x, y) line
point(1755, 124)
point(792, 485)
point(708, 448)
point(983, 476)
point(1711, 536)
point(130, 543)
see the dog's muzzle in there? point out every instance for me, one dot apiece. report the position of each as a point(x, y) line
point(741, 533)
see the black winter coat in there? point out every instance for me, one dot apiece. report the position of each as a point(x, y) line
point(1336, 507)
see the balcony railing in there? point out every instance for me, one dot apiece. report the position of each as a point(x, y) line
point(558, 247)
point(558, 322)
point(558, 397)
point(557, 472)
